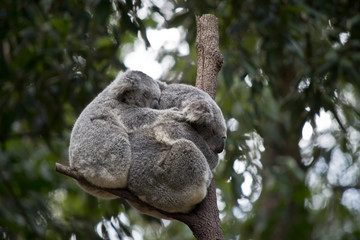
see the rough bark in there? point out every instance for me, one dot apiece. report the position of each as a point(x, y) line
point(204, 220)
point(210, 58)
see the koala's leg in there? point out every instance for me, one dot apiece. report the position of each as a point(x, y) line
point(102, 155)
point(176, 180)
point(184, 171)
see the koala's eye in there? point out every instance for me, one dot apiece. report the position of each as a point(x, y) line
point(213, 132)
point(146, 95)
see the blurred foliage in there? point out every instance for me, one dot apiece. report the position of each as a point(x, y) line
point(287, 65)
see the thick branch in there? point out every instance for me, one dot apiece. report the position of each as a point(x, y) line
point(122, 193)
point(201, 220)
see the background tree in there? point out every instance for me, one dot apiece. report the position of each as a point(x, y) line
point(289, 89)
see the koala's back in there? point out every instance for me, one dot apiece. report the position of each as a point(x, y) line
point(99, 147)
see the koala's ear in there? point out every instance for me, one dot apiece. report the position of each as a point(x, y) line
point(162, 85)
point(198, 112)
point(124, 83)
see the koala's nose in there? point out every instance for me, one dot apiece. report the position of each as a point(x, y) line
point(155, 104)
point(221, 145)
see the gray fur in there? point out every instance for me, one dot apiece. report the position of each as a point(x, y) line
point(200, 110)
point(175, 174)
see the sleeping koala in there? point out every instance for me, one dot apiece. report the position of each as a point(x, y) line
point(172, 162)
point(100, 148)
point(164, 156)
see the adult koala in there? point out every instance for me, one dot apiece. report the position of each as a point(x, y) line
point(100, 149)
point(172, 162)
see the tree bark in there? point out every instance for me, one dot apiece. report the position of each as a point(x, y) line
point(204, 220)
point(210, 58)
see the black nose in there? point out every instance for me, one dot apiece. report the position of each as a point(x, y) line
point(155, 104)
point(221, 145)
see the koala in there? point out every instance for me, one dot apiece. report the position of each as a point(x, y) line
point(172, 162)
point(100, 148)
point(200, 110)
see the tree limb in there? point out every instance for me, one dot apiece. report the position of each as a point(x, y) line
point(120, 192)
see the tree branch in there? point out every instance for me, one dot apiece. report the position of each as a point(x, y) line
point(120, 192)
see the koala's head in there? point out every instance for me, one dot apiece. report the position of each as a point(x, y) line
point(136, 88)
point(207, 119)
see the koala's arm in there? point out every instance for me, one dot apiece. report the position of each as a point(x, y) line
point(135, 118)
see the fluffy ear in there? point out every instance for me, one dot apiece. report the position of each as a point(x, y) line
point(162, 85)
point(124, 83)
point(198, 112)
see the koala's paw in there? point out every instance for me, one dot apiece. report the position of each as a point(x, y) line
point(162, 136)
point(175, 114)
